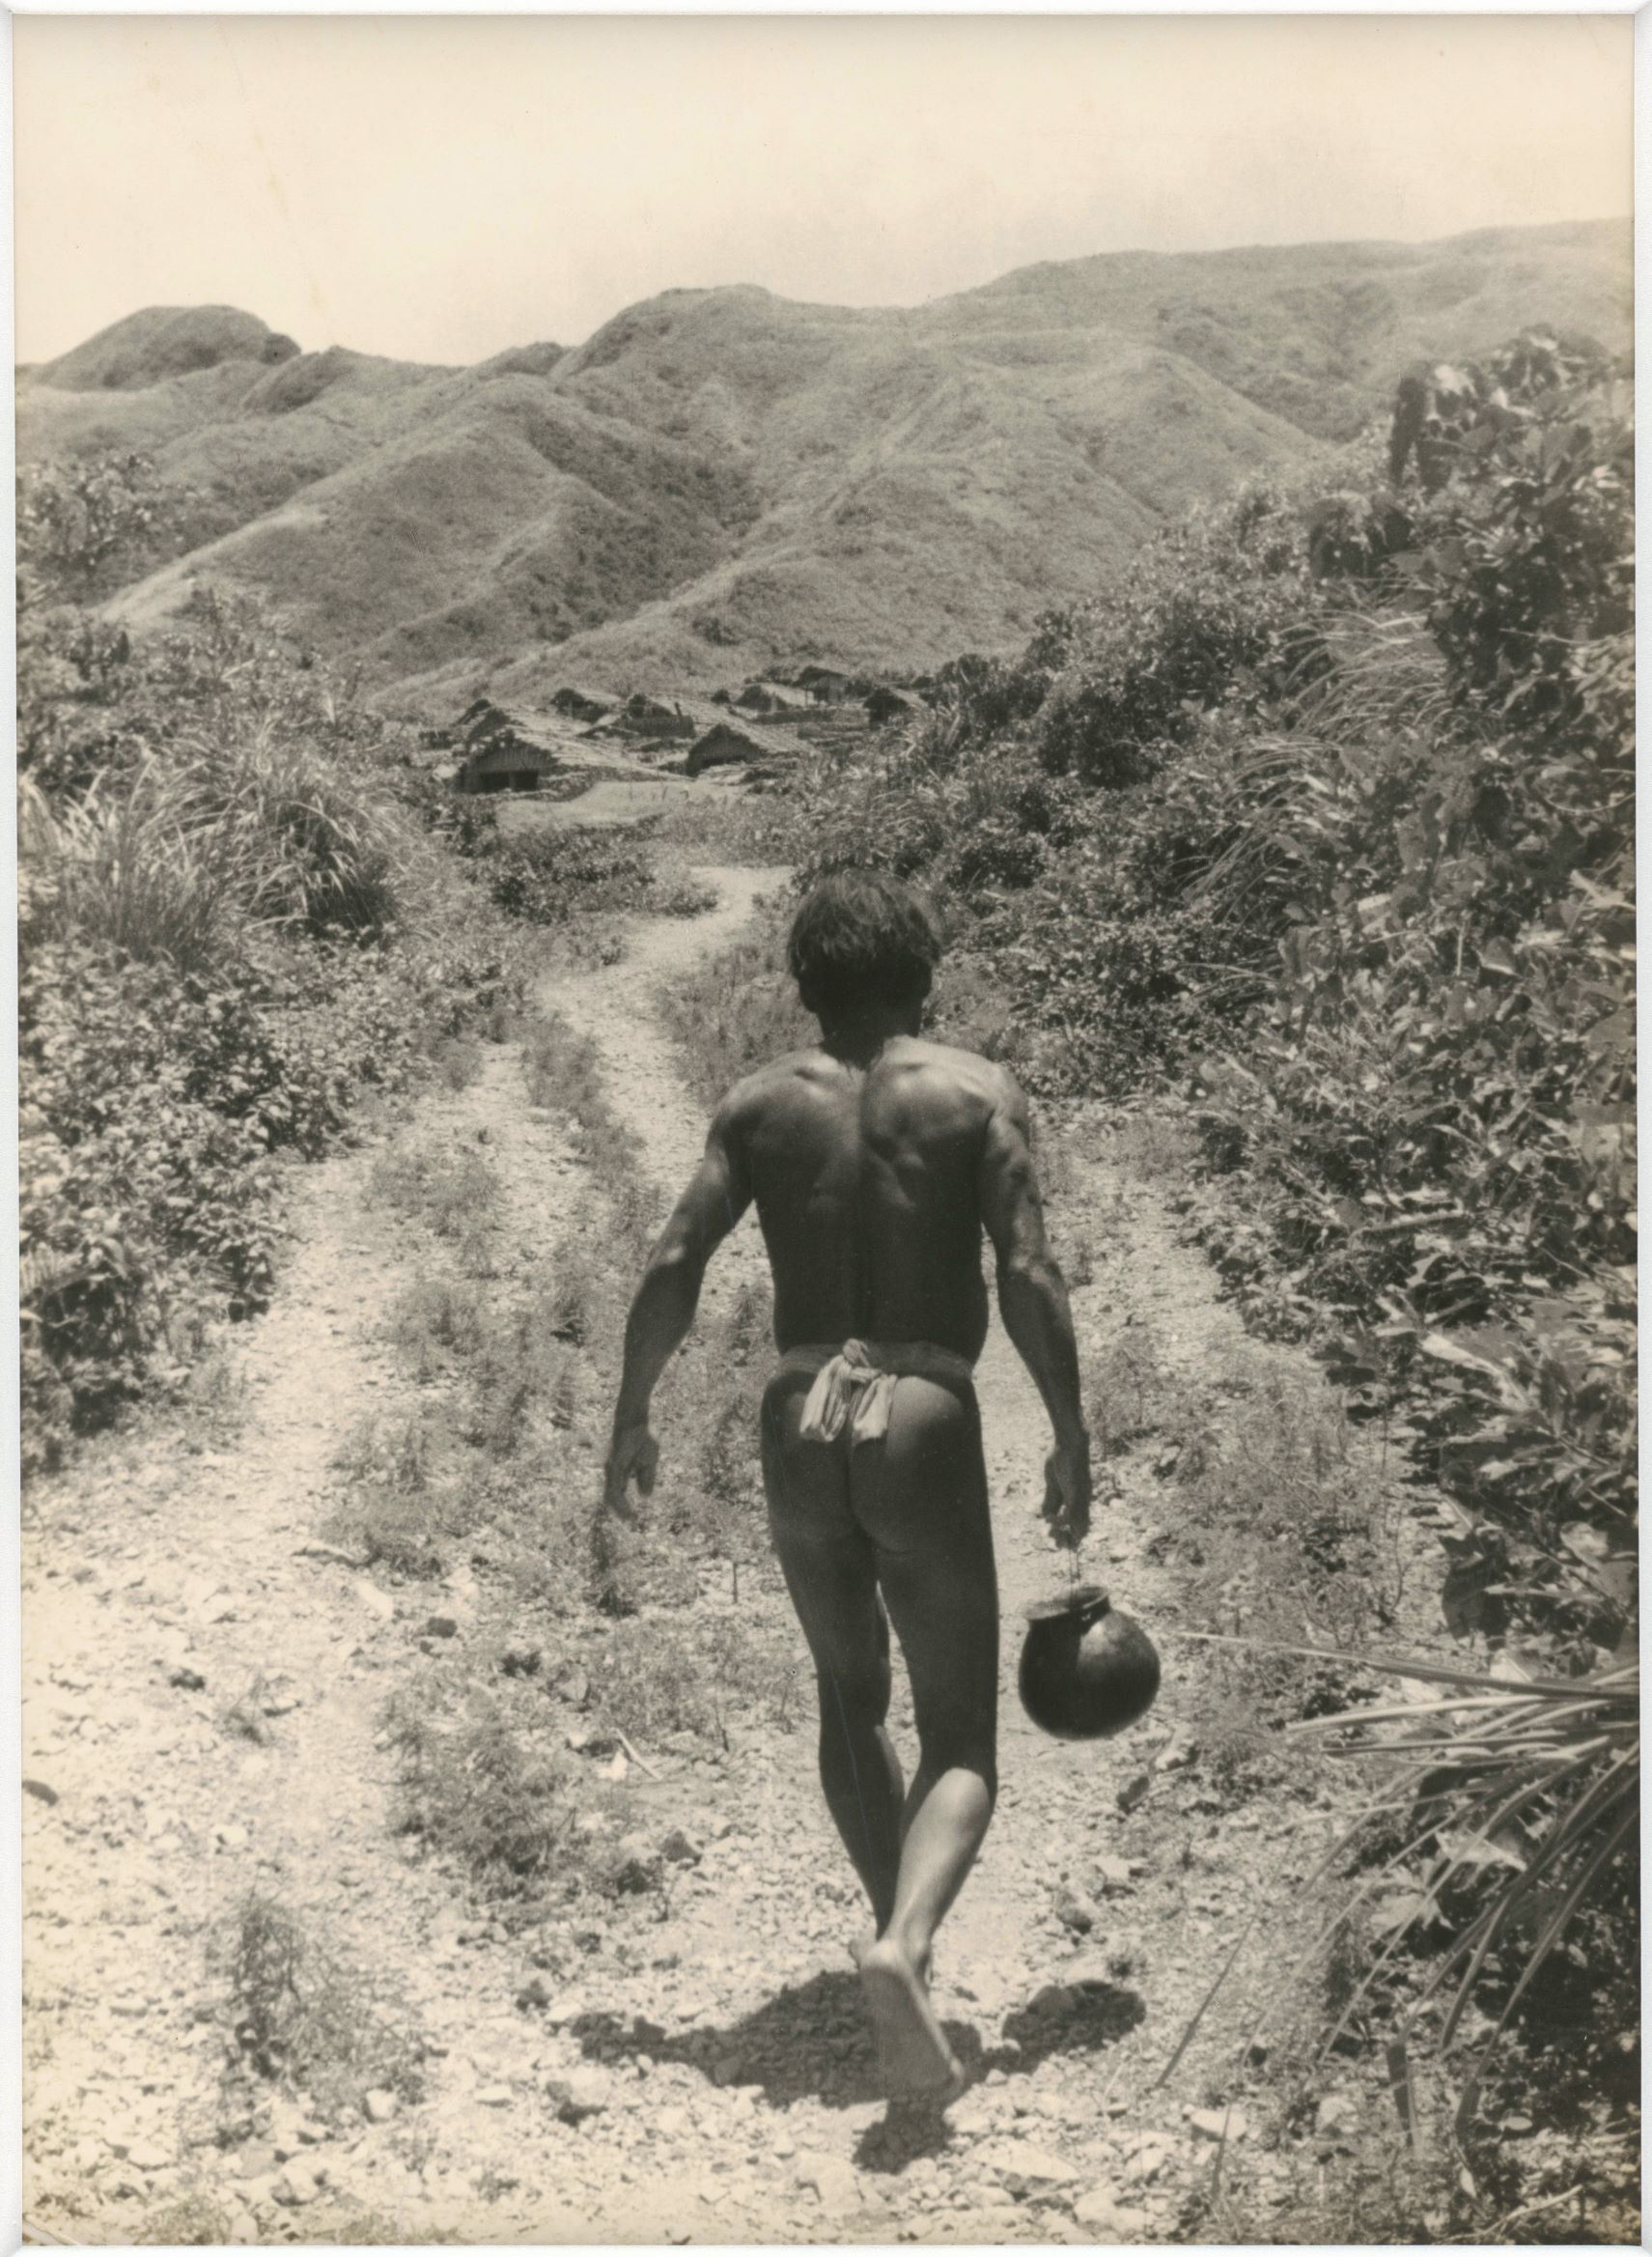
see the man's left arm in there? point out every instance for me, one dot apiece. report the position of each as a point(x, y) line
point(666, 1299)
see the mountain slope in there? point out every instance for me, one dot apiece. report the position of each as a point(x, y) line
point(722, 479)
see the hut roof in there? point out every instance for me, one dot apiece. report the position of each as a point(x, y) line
point(741, 743)
point(513, 753)
point(644, 717)
point(581, 705)
point(764, 694)
point(886, 703)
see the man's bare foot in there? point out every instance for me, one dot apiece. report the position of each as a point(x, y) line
point(916, 2060)
point(868, 1937)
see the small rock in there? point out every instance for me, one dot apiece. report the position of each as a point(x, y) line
point(672, 2122)
point(1182, 1751)
point(579, 2093)
point(1152, 2151)
point(1113, 1874)
point(1337, 2118)
point(1219, 2123)
point(376, 1602)
point(1102, 2212)
point(281, 1695)
point(231, 1837)
point(634, 1866)
point(993, 2222)
point(587, 1740)
point(442, 1627)
point(185, 1679)
point(1134, 1791)
point(378, 2106)
point(296, 2185)
point(1025, 2170)
point(147, 2156)
point(534, 1993)
point(680, 1848)
point(833, 2178)
point(41, 1792)
point(521, 1661)
point(1053, 2002)
point(1074, 1910)
point(494, 2096)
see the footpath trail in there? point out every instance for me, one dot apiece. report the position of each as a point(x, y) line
point(706, 2077)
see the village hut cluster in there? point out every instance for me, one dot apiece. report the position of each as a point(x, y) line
point(759, 728)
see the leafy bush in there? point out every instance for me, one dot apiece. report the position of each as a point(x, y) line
point(549, 875)
point(88, 524)
point(1212, 612)
point(230, 927)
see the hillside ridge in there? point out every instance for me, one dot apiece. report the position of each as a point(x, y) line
point(719, 480)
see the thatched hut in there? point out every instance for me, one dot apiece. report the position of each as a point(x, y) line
point(887, 704)
point(501, 752)
point(741, 743)
point(581, 705)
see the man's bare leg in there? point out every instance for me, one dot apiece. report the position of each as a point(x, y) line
point(908, 1513)
point(922, 1497)
point(830, 1570)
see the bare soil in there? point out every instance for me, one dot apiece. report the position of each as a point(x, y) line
point(729, 2091)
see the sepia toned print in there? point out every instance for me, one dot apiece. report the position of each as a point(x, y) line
point(826, 1131)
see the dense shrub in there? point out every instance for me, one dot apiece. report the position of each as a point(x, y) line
point(1212, 613)
point(230, 926)
point(87, 524)
point(549, 875)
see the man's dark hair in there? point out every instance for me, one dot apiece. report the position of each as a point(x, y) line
point(862, 938)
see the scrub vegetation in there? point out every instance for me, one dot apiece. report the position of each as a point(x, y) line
point(1313, 839)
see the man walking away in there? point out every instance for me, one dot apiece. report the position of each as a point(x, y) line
point(877, 1162)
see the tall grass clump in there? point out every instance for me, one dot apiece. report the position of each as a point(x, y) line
point(124, 871)
point(305, 2017)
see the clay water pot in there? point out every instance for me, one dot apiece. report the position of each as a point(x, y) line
point(1086, 1671)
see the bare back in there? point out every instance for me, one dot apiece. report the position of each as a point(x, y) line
point(867, 1181)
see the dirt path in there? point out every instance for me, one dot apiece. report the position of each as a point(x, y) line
point(729, 2091)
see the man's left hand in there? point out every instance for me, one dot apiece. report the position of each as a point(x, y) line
point(1067, 1492)
point(634, 1455)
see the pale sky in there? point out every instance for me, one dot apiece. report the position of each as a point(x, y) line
point(440, 188)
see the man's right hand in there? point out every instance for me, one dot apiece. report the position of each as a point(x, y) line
point(1067, 1492)
point(634, 1455)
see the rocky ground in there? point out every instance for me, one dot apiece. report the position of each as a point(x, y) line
point(206, 1676)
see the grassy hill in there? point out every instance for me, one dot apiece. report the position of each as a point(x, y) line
point(722, 479)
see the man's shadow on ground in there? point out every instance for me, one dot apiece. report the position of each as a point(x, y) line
point(810, 2042)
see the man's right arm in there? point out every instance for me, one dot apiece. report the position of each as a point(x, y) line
point(1033, 1299)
